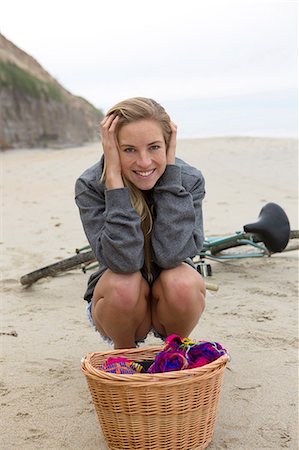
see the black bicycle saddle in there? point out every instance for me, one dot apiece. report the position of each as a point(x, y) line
point(273, 227)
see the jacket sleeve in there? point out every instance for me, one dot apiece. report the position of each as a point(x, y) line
point(112, 227)
point(178, 226)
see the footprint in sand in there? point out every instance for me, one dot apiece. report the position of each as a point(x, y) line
point(3, 390)
point(22, 415)
point(263, 292)
point(35, 434)
point(276, 434)
point(263, 316)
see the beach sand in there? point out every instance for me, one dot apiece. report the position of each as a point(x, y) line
point(45, 402)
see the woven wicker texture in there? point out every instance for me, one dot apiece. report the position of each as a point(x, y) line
point(163, 411)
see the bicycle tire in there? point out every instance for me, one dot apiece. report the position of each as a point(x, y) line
point(54, 269)
point(87, 257)
point(294, 234)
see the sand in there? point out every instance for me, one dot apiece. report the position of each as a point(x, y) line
point(45, 402)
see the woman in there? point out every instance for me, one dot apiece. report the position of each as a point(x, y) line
point(140, 207)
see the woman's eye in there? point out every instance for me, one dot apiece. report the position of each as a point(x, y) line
point(129, 150)
point(155, 147)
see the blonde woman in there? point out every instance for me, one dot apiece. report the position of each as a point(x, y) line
point(141, 209)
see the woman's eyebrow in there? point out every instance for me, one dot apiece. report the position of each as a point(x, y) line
point(133, 146)
point(155, 142)
point(127, 145)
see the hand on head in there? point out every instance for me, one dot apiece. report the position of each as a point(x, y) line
point(110, 147)
point(172, 144)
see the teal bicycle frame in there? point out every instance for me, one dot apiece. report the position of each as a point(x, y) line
point(269, 234)
point(212, 248)
point(213, 245)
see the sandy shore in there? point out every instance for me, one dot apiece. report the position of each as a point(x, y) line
point(45, 403)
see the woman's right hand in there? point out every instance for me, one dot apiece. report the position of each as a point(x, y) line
point(113, 167)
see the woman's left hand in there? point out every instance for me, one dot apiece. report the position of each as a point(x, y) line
point(170, 155)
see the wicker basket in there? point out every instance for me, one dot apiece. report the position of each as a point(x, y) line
point(163, 411)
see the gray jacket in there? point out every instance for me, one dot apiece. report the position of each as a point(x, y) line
point(112, 225)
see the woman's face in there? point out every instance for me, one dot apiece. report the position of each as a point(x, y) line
point(142, 152)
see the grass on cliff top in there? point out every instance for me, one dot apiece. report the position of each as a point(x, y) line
point(98, 111)
point(14, 77)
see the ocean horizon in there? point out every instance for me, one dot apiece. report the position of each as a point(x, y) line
point(266, 114)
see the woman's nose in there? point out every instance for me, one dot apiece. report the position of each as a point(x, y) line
point(144, 160)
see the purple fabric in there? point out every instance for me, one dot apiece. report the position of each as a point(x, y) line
point(179, 354)
point(204, 353)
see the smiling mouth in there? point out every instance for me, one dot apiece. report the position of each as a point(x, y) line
point(144, 174)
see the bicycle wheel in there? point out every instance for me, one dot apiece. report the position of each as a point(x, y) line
point(58, 267)
point(294, 234)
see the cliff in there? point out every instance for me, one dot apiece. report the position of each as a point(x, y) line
point(35, 110)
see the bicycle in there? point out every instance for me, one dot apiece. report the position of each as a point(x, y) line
point(270, 234)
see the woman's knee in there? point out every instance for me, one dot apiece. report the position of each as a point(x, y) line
point(183, 290)
point(122, 291)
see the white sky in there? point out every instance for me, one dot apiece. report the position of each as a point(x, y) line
point(109, 50)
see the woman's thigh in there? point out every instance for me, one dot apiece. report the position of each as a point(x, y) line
point(179, 290)
point(120, 296)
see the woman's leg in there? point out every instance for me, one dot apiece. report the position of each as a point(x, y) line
point(120, 308)
point(178, 300)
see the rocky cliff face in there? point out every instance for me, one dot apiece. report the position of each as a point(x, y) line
point(35, 110)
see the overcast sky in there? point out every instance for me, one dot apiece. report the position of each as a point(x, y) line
point(171, 50)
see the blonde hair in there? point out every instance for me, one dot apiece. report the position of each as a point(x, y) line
point(128, 111)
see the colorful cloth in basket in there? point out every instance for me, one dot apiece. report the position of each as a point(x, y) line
point(181, 353)
point(121, 365)
point(177, 354)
